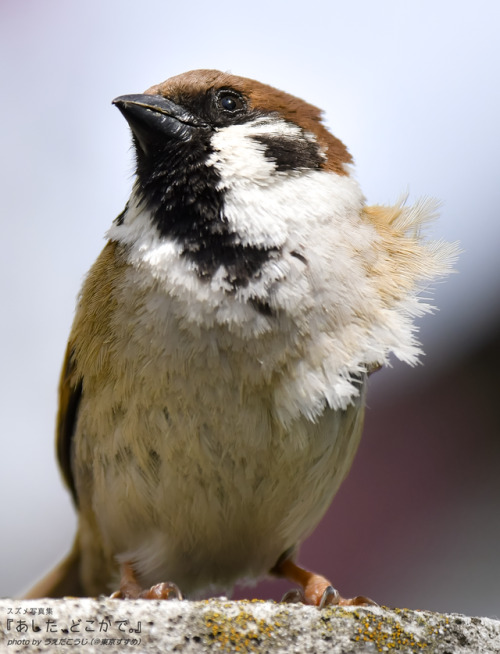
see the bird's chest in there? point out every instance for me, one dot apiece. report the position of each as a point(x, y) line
point(182, 403)
point(178, 405)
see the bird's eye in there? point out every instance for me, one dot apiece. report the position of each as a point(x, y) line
point(230, 101)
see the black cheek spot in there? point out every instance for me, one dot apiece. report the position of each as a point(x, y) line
point(291, 153)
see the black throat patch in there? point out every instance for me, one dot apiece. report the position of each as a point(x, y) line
point(182, 194)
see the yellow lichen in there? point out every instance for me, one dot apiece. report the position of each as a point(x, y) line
point(385, 632)
point(241, 633)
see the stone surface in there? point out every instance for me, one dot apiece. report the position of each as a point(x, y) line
point(105, 625)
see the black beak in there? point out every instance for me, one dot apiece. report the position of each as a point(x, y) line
point(153, 118)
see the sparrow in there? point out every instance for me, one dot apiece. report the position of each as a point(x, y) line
point(212, 395)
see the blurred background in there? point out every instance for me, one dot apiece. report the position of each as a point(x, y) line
point(412, 87)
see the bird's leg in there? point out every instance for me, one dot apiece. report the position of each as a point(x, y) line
point(130, 587)
point(316, 590)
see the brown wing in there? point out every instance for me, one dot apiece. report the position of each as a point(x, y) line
point(70, 393)
point(88, 346)
point(64, 579)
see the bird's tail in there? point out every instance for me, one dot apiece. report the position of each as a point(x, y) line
point(61, 581)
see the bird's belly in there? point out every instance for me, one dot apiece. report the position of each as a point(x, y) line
point(205, 490)
point(186, 467)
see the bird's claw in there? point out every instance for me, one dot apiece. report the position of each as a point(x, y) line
point(294, 596)
point(164, 591)
point(331, 597)
point(130, 587)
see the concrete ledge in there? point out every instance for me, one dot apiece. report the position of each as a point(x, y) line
point(105, 625)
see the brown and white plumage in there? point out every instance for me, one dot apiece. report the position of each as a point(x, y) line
point(212, 396)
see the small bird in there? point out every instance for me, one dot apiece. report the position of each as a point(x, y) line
point(212, 394)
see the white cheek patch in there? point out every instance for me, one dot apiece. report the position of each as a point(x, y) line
point(259, 202)
point(239, 155)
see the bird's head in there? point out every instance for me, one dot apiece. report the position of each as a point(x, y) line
point(222, 163)
point(189, 108)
